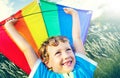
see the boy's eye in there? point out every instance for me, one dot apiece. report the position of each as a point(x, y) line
point(68, 49)
point(57, 53)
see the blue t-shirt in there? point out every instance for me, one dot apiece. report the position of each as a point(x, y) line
point(84, 68)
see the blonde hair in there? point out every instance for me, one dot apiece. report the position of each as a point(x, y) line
point(52, 41)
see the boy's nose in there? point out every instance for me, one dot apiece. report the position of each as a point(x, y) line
point(65, 55)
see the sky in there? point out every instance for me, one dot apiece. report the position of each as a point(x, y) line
point(9, 7)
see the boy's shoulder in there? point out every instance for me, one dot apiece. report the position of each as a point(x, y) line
point(82, 57)
point(84, 66)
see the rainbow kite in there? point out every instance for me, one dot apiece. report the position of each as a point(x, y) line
point(38, 21)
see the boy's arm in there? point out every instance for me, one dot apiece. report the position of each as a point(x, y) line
point(76, 31)
point(21, 42)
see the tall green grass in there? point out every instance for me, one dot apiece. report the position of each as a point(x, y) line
point(103, 46)
point(9, 70)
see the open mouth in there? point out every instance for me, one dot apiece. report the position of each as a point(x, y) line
point(67, 63)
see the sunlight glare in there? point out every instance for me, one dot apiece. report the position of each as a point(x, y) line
point(114, 6)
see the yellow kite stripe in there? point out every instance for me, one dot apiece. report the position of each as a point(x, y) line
point(35, 22)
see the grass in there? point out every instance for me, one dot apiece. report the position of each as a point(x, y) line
point(9, 70)
point(103, 46)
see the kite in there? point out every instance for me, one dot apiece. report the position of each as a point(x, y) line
point(37, 22)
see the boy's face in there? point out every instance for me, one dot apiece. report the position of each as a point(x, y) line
point(61, 58)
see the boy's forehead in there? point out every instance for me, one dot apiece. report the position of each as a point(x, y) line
point(61, 45)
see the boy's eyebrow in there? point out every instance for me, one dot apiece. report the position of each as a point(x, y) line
point(58, 50)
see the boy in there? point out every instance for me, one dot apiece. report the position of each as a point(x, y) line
point(58, 59)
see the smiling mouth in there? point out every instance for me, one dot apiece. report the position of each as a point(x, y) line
point(67, 63)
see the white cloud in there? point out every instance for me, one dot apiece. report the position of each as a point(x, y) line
point(6, 9)
point(97, 6)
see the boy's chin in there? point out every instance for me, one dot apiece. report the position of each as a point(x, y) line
point(66, 71)
point(69, 70)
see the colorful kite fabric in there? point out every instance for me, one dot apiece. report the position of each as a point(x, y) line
point(37, 22)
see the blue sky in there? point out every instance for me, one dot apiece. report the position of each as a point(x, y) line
point(18, 4)
point(9, 7)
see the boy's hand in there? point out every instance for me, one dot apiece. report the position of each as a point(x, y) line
point(70, 11)
point(11, 21)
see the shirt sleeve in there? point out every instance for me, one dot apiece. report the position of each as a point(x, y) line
point(33, 71)
point(86, 64)
point(41, 71)
point(86, 58)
